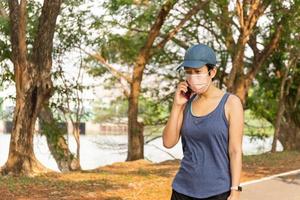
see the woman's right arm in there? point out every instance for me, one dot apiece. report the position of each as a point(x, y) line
point(171, 132)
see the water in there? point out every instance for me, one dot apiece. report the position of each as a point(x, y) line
point(106, 149)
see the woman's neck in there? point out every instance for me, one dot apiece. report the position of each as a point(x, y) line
point(212, 91)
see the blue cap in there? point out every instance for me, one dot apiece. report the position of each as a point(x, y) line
point(197, 56)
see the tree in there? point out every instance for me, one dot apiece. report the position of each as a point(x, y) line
point(148, 29)
point(286, 120)
point(235, 26)
point(32, 76)
point(68, 34)
point(276, 95)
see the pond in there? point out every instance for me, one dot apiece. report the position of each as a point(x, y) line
point(101, 150)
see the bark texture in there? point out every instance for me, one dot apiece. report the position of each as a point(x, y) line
point(33, 83)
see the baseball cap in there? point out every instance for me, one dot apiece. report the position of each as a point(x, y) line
point(197, 56)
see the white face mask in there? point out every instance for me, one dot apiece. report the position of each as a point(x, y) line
point(199, 83)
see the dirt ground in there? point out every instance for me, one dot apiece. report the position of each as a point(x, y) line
point(137, 180)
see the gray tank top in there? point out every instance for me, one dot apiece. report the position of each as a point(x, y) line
point(205, 168)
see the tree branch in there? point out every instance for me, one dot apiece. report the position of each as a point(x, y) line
point(180, 43)
point(250, 16)
point(154, 31)
point(224, 25)
point(17, 16)
point(113, 70)
point(257, 9)
point(240, 13)
point(261, 57)
point(43, 42)
point(253, 43)
point(217, 36)
point(176, 29)
point(18, 27)
point(3, 13)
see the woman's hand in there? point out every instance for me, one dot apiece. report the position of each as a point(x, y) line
point(234, 195)
point(179, 98)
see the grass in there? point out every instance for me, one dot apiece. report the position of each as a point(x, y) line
point(140, 180)
point(257, 127)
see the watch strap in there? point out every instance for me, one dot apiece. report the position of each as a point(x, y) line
point(238, 188)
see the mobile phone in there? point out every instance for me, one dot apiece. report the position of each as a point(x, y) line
point(188, 93)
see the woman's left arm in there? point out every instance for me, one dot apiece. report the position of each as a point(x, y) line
point(236, 128)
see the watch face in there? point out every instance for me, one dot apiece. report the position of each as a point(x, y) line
point(239, 188)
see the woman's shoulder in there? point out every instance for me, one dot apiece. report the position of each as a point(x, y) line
point(233, 102)
point(233, 99)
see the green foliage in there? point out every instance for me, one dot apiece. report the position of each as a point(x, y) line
point(263, 98)
point(67, 101)
point(5, 52)
point(54, 132)
point(126, 28)
point(33, 12)
point(4, 39)
point(123, 30)
point(263, 102)
point(151, 112)
point(123, 48)
point(1, 106)
point(116, 110)
point(257, 127)
point(72, 27)
point(96, 69)
point(115, 5)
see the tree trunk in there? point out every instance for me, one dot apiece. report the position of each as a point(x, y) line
point(290, 94)
point(277, 124)
point(235, 82)
point(33, 83)
point(281, 108)
point(290, 135)
point(21, 158)
point(76, 133)
point(248, 13)
point(56, 141)
point(135, 128)
point(238, 82)
point(237, 57)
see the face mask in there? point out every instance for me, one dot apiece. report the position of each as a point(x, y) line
point(199, 83)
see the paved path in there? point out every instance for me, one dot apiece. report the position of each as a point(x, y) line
point(285, 186)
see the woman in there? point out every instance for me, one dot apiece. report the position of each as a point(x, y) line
point(210, 123)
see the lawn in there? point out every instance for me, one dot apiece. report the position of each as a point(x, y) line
point(140, 180)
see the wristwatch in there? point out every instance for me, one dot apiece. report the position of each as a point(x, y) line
point(238, 188)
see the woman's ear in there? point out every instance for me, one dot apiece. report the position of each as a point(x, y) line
point(213, 72)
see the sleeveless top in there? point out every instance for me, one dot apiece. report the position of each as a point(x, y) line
point(205, 168)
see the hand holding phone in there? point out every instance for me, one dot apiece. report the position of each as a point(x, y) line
point(188, 93)
point(183, 93)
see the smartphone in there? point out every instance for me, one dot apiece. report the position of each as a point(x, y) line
point(188, 93)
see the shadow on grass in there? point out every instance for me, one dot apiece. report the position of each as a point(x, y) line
point(163, 169)
point(50, 187)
